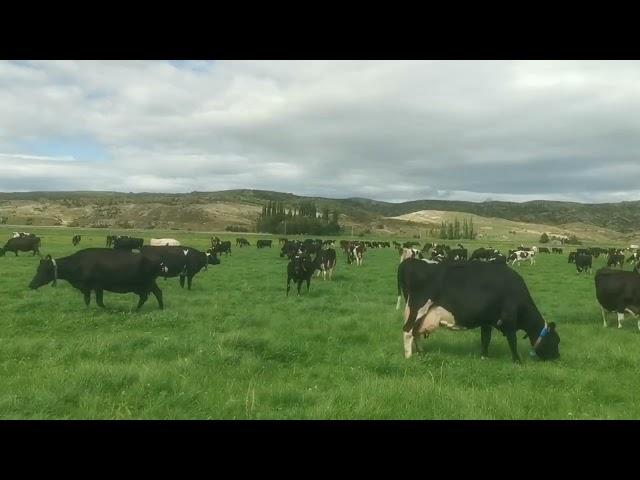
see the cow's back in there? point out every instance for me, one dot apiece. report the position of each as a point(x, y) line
point(108, 268)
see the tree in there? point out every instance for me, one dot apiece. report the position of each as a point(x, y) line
point(544, 238)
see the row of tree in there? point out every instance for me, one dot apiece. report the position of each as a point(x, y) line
point(455, 230)
point(304, 219)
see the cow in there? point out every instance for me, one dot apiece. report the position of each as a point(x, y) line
point(635, 256)
point(22, 244)
point(291, 248)
point(101, 269)
point(76, 240)
point(222, 247)
point(522, 256)
point(556, 250)
point(110, 239)
point(583, 262)
point(263, 243)
point(180, 261)
point(326, 262)
point(482, 254)
point(544, 250)
point(300, 269)
point(356, 254)
point(410, 253)
point(615, 259)
point(467, 295)
point(282, 241)
point(215, 241)
point(618, 291)
point(242, 242)
point(572, 257)
point(164, 242)
point(127, 243)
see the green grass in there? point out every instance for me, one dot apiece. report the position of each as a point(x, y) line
point(236, 348)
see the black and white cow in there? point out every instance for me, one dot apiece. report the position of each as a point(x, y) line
point(76, 240)
point(522, 256)
point(222, 247)
point(180, 261)
point(467, 295)
point(618, 291)
point(101, 269)
point(22, 244)
point(326, 262)
point(615, 259)
point(21, 234)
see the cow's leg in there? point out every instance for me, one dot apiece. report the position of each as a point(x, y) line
point(485, 339)
point(299, 286)
point(288, 285)
point(143, 298)
point(158, 294)
point(620, 319)
point(182, 280)
point(99, 297)
point(87, 296)
point(604, 318)
point(189, 279)
point(16, 253)
point(308, 283)
point(510, 333)
point(408, 343)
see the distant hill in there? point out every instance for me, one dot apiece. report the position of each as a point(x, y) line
point(215, 210)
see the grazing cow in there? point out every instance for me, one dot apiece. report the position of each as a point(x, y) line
point(101, 269)
point(21, 244)
point(242, 242)
point(544, 250)
point(164, 242)
point(556, 250)
point(180, 261)
point(263, 243)
point(326, 262)
point(583, 262)
point(615, 259)
point(300, 269)
point(522, 256)
point(128, 243)
point(618, 291)
point(222, 247)
point(76, 240)
point(467, 295)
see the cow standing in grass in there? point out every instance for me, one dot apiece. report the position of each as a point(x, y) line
point(22, 244)
point(618, 291)
point(300, 269)
point(76, 240)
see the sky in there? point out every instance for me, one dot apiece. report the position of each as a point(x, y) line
point(386, 130)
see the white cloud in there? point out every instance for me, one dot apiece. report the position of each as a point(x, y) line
point(384, 129)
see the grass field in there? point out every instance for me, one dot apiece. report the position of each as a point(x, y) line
point(236, 348)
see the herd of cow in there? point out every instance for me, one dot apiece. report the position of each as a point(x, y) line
point(441, 285)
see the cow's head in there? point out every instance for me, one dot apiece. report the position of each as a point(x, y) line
point(47, 272)
point(212, 258)
point(548, 349)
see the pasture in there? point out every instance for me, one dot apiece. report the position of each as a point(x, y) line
point(234, 347)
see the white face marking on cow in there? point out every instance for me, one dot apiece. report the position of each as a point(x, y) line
point(186, 252)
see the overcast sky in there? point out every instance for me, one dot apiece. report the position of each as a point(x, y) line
point(388, 130)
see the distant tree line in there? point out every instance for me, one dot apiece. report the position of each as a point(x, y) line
point(303, 218)
point(455, 230)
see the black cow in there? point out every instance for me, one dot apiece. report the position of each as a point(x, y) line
point(482, 254)
point(457, 254)
point(101, 269)
point(618, 291)
point(556, 250)
point(242, 242)
point(291, 248)
point(21, 244)
point(76, 240)
point(263, 243)
point(181, 261)
point(615, 259)
point(543, 250)
point(572, 257)
point(466, 295)
point(300, 269)
point(127, 243)
point(583, 262)
point(222, 247)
